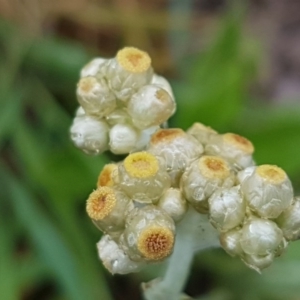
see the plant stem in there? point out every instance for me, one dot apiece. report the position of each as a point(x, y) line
point(194, 233)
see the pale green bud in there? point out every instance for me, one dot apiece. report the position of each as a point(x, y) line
point(149, 234)
point(227, 208)
point(268, 191)
point(89, 134)
point(289, 221)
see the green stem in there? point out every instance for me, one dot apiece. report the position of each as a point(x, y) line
point(193, 233)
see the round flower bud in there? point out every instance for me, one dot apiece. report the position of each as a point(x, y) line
point(268, 191)
point(114, 259)
point(128, 72)
point(162, 82)
point(143, 178)
point(150, 106)
point(108, 175)
point(93, 67)
point(122, 138)
point(260, 237)
point(289, 221)
point(227, 208)
point(149, 234)
point(177, 149)
point(230, 242)
point(258, 262)
point(203, 178)
point(89, 134)
point(234, 148)
point(173, 203)
point(108, 207)
point(95, 97)
point(201, 132)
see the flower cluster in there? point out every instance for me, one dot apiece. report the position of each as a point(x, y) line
point(140, 202)
point(122, 102)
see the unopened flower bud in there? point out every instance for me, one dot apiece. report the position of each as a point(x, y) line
point(114, 259)
point(93, 67)
point(268, 191)
point(95, 97)
point(203, 178)
point(108, 175)
point(89, 134)
point(151, 105)
point(143, 177)
point(144, 138)
point(177, 149)
point(122, 138)
point(118, 116)
point(108, 207)
point(173, 203)
point(289, 221)
point(260, 237)
point(227, 208)
point(149, 234)
point(233, 147)
point(231, 242)
point(128, 71)
point(201, 132)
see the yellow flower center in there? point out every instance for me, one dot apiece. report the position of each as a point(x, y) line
point(106, 177)
point(141, 165)
point(156, 243)
point(271, 173)
point(100, 203)
point(213, 167)
point(86, 84)
point(239, 142)
point(134, 60)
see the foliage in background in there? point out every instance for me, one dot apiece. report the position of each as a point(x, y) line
point(47, 243)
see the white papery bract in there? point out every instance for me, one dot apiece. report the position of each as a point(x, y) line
point(233, 147)
point(128, 72)
point(90, 134)
point(268, 191)
point(227, 208)
point(260, 237)
point(201, 133)
point(231, 241)
point(93, 68)
point(150, 106)
point(163, 83)
point(95, 97)
point(203, 177)
point(115, 259)
point(177, 149)
point(149, 234)
point(122, 138)
point(289, 221)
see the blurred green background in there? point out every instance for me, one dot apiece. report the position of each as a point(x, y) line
point(233, 67)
